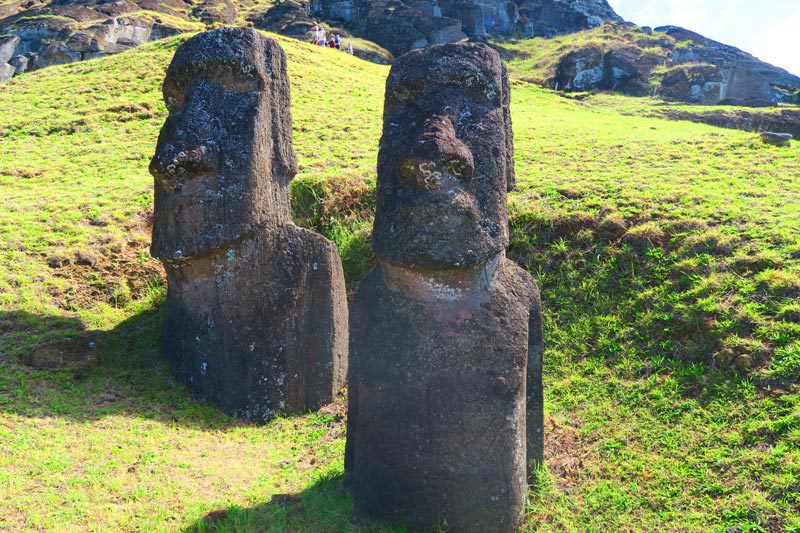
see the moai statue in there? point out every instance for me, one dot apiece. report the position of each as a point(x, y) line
point(445, 385)
point(256, 311)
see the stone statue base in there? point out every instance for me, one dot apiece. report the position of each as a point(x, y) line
point(445, 378)
point(256, 327)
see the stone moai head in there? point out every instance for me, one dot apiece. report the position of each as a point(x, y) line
point(224, 156)
point(446, 159)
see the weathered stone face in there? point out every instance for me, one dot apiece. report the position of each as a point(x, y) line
point(445, 160)
point(224, 156)
point(445, 387)
point(256, 312)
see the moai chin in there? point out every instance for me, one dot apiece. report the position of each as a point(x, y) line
point(445, 385)
point(256, 311)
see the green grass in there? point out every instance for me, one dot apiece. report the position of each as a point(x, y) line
point(669, 259)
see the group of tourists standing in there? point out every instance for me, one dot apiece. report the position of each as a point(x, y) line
point(329, 39)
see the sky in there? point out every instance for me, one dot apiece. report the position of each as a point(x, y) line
point(768, 29)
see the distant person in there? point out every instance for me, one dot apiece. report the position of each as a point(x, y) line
point(315, 31)
point(332, 42)
point(350, 47)
point(338, 42)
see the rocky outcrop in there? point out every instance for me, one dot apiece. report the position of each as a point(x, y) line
point(216, 12)
point(403, 30)
point(64, 32)
point(624, 69)
point(290, 17)
point(8, 44)
point(674, 64)
point(719, 73)
point(547, 18)
point(402, 25)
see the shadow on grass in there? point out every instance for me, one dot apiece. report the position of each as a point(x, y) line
point(324, 506)
point(124, 377)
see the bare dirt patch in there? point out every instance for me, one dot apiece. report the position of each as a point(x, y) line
point(566, 453)
point(108, 271)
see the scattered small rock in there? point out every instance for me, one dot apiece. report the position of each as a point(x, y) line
point(86, 258)
point(724, 358)
point(72, 354)
point(57, 262)
point(776, 139)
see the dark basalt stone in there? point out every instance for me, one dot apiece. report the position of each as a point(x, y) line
point(403, 25)
point(776, 139)
point(445, 387)
point(63, 32)
point(256, 316)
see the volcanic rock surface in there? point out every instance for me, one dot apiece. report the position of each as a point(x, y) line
point(256, 311)
point(445, 418)
point(40, 34)
point(674, 64)
point(401, 25)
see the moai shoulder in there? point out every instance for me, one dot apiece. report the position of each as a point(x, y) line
point(445, 406)
point(256, 316)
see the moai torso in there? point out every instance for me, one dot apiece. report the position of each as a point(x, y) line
point(256, 312)
point(256, 327)
point(440, 425)
point(445, 406)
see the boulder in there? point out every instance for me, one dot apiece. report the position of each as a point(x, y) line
point(6, 72)
point(8, 44)
point(625, 69)
point(256, 313)
point(20, 64)
point(776, 139)
point(445, 419)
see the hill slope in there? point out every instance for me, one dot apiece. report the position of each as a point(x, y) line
point(670, 62)
point(668, 255)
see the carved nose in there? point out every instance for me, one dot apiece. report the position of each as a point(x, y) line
point(182, 158)
point(436, 154)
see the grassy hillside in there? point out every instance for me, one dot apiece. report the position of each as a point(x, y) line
point(668, 255)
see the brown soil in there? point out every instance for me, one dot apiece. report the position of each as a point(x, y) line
point(108, 272)
point(564, 453)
